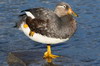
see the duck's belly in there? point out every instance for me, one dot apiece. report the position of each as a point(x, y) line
point(40, 38)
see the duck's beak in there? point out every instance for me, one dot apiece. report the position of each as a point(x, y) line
point(70, 11)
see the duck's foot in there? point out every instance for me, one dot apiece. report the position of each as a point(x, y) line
point(48, 55)
point(31, 33)
point(25, 25)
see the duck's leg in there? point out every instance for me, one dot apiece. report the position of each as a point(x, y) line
point(31, 32)
point(48, 55)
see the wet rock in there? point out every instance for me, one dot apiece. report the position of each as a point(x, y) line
point(25, 58)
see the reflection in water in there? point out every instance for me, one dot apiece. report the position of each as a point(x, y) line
point(51, 64)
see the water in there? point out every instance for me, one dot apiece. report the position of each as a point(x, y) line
point(83, 49)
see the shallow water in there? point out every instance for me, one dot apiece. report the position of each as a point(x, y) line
point(83, 49)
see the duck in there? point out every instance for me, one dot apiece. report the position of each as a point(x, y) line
point(48, 26)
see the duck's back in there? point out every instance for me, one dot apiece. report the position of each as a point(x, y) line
point(42, 13)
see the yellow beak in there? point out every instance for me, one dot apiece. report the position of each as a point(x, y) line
point(70, 11)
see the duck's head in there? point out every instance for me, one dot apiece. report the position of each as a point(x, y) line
point(63, 9)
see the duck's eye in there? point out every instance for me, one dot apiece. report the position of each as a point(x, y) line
point(64, 6)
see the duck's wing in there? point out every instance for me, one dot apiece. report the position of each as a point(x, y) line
point(43, 21)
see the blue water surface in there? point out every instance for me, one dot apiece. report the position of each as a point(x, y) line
point(83, 49)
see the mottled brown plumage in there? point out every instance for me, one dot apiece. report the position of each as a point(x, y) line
point(55, 24)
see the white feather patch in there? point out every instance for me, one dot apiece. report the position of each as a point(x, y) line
point(61, 6)
point(42, 39)
point(29, 14)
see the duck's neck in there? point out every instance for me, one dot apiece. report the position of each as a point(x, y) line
point(69, 24)
point(68, 18)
